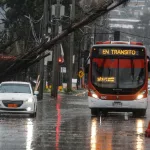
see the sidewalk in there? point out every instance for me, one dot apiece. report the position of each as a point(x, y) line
point(78, 92)
point(74, 92)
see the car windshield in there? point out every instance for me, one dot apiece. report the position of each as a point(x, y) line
point(15, 88)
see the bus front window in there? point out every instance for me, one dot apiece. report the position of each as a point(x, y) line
point(120, 73)
point(131, 73)
point(104, 72)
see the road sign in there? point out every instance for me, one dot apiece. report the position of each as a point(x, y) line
point(81, 74)
point(63, 69)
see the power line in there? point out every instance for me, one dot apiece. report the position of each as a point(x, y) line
point(129, 33)
point(135, 35)
point(37, 21)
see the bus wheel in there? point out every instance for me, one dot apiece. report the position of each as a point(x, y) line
point(139, 113)
point(94, 111)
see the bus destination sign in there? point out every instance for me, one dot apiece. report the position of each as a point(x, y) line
point(123, 52)
point(106, 79)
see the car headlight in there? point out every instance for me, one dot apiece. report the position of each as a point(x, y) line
point(140, 96)
point(29, 109)
point(30, 100)
point(93, 94)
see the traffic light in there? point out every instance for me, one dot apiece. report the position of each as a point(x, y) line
point(60, 60)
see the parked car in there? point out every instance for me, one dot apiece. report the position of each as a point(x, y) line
point(18, 97)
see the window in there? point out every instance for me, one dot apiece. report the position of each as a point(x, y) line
point(15, 88)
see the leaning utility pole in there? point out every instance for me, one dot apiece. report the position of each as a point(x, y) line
point(44, 33)
point(55, 71)
point(70, 52)
point(85, 48)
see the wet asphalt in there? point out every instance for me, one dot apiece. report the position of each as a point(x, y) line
point(65, 123)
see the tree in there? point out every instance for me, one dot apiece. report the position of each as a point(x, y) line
point(33, 55)
point(16, 25)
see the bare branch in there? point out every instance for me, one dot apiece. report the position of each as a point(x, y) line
point(3, 47)
point(32, 54)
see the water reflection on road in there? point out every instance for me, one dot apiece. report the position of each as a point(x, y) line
point(29, 137)
point(93, 134)
point(100, 138)
point(58, 123)
point(116, 133)
point(140, 132)
point(16, 132)
point(66, 123)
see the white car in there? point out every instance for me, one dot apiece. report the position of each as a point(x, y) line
point(18, 97)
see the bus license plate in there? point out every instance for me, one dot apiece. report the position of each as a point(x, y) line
point(117, 104)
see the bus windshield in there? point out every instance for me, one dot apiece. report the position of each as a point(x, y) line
point(121, 75)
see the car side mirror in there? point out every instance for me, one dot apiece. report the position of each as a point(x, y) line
point(148, 66)
point(36, 92)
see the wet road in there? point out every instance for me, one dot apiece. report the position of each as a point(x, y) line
point(66, 124)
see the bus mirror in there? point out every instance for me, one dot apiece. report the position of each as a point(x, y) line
point(148, 66)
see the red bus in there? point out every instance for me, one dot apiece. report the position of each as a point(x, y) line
point(118, 78)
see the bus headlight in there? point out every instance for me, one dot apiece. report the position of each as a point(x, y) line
point(93, 94)
point(140, 96)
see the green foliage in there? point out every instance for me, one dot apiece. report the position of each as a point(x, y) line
point(69, 91)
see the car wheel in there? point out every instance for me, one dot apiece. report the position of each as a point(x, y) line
point(33, 115)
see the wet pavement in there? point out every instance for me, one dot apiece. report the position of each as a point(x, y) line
point(66, 124)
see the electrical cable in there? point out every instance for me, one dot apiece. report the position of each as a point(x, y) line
point(3, 15)
point(33, 31)
point(37, 21)
point(129, 33)
point(40, 29)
